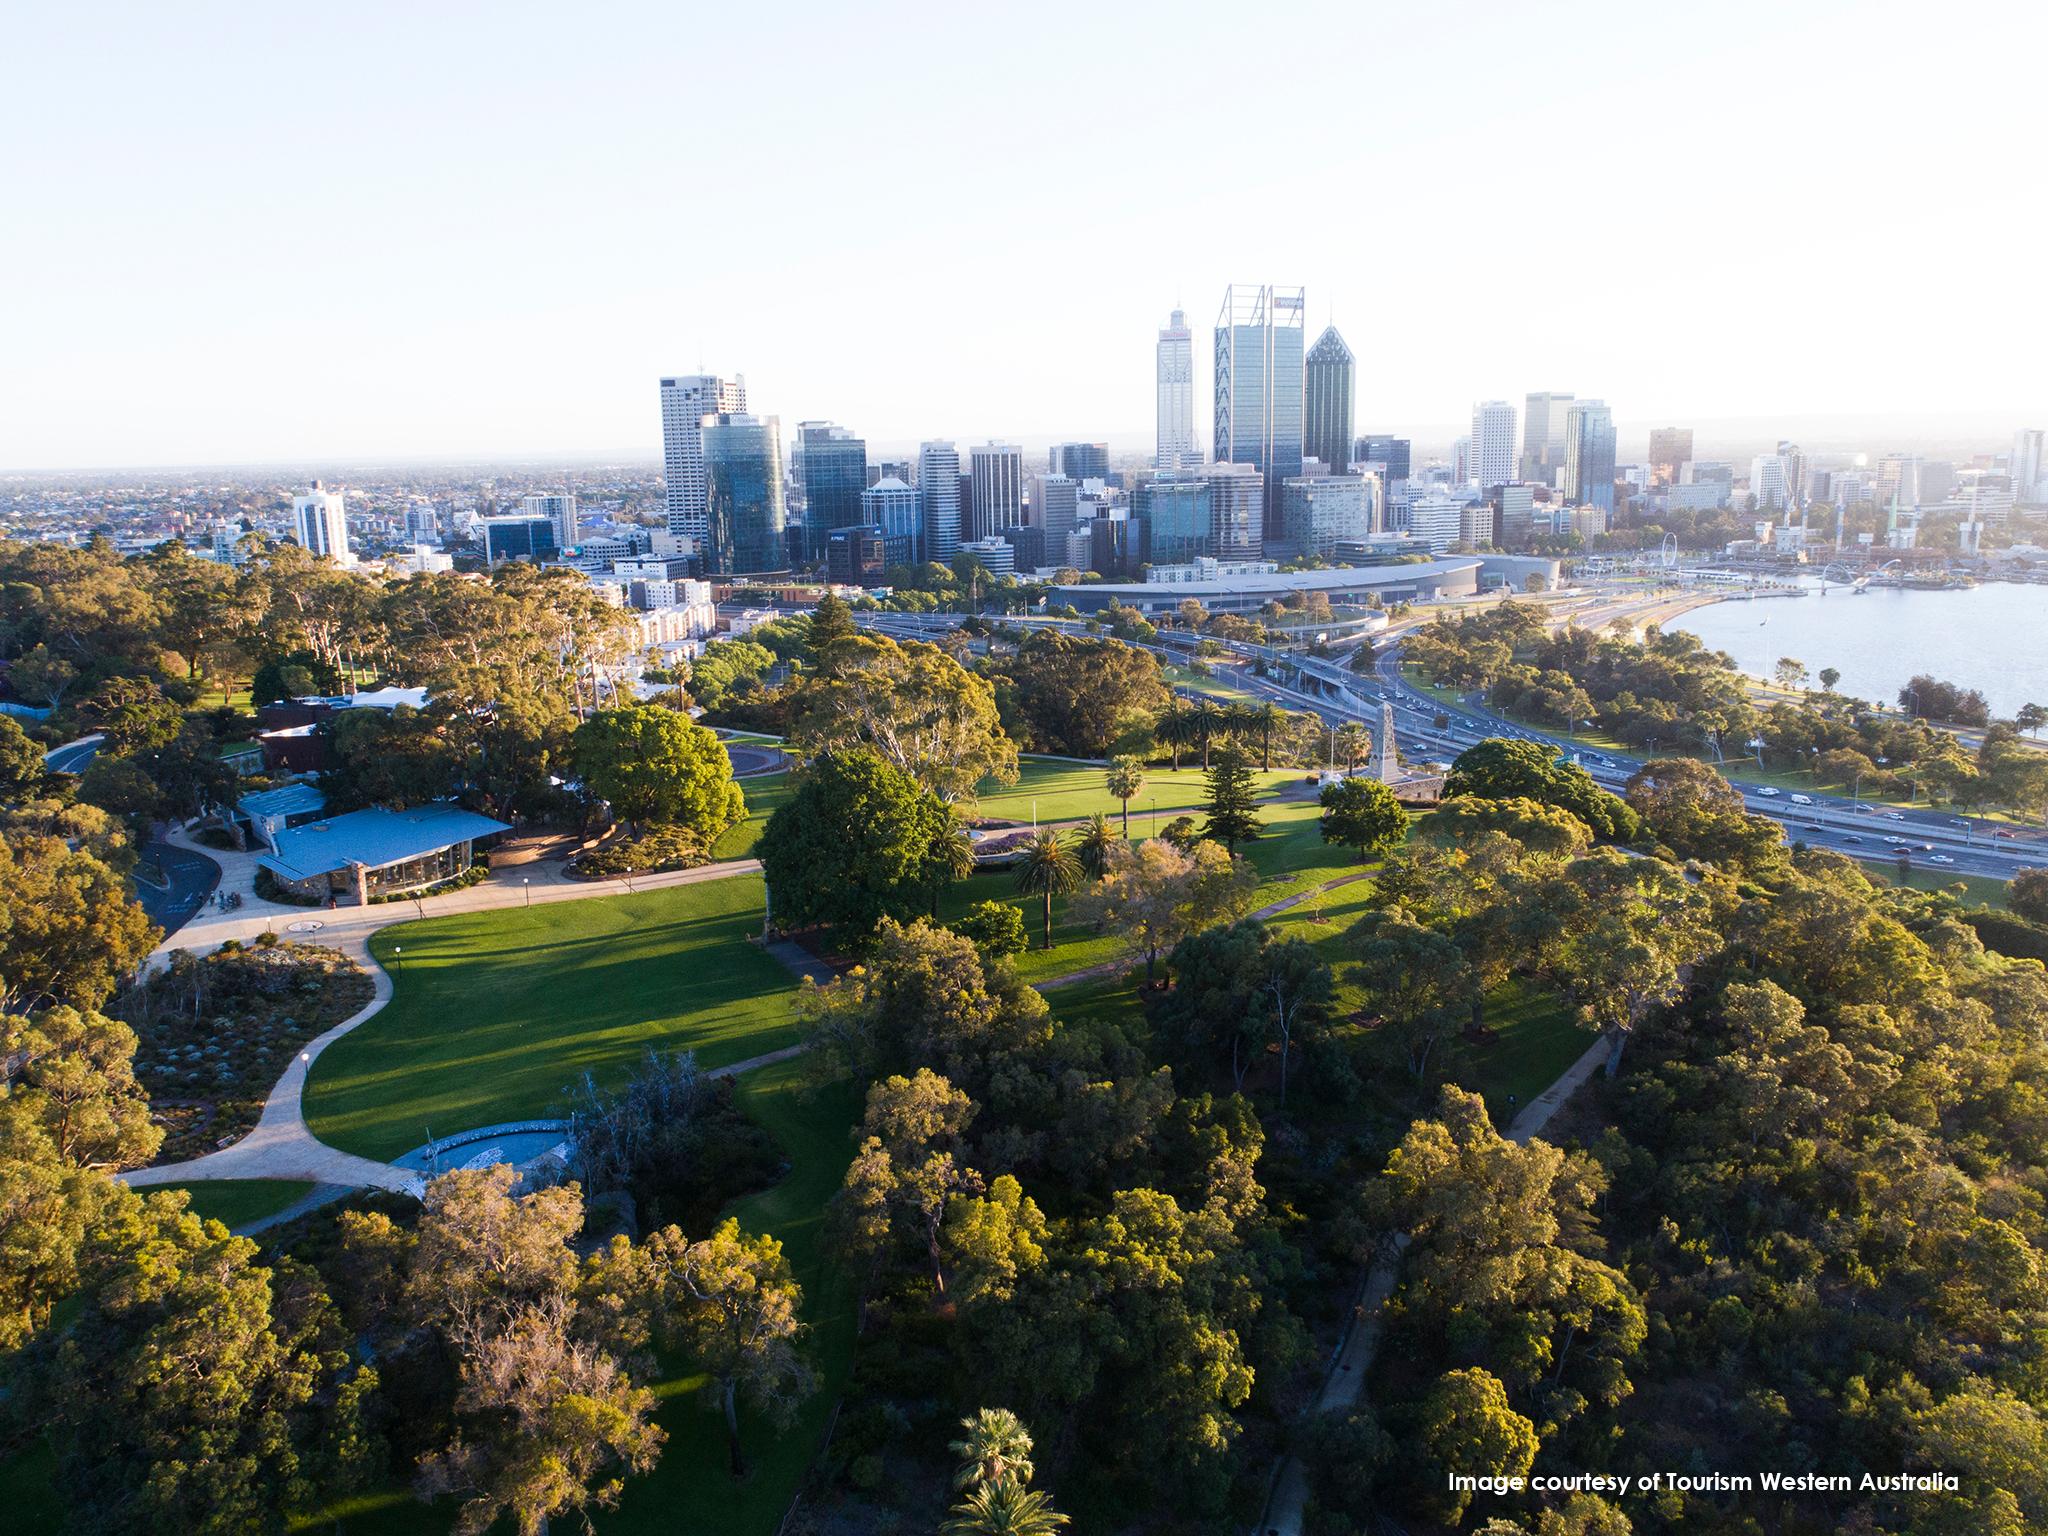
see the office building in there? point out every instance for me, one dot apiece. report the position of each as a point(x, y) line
point(1543, 413)
point(1175, 438)
point(1258, 379)
point(1030, 548)
point(1177, 512)
point(832, 469)
point(1588, 522)
point(995, 554)
point(321, 524)
point(1326, 402)
point(1476, 526)
point(1697, 496)
point(422, 523)
point(1395, 454)
point(997, 472)
point(519, 538)
point(1319, 512)
point(856, 555)
point(1079, 461)
point(2028, 466)
point(1769, 482)
point(1437, 519)
point(560, 510)
point(1055, 502)
point(1493, 443)
point(1589, 454)
point(1514, 506)
point(685, 401)
point(1237, 519)
point(892, 506)
point(938, 499)
point(1670, 448)
point(744, 516)
point(1706, 471)
point(1116, 546)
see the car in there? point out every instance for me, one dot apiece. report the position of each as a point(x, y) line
point(1852, 838)
point(1955, 823)
point(1896, 842)
point(1893, 816)
point(1802, 799)
point(1768, 793)
point(1867, 810)
point(1941, 858)
point(2008, 836)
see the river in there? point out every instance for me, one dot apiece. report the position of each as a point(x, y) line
point(1993, 637)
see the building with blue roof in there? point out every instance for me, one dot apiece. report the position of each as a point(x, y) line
point(268, 812)
point(375, 852)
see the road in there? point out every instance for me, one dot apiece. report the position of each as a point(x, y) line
point(192, 877)
point(73, 756)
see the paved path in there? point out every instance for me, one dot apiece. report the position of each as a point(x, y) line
point(1355, 1354)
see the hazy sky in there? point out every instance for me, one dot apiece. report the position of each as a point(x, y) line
point(240, 232)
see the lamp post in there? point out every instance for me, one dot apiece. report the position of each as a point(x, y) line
point(398, 954)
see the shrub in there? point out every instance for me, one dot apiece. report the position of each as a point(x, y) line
point(658, 848)
point(2011, 936)
point(994, 927)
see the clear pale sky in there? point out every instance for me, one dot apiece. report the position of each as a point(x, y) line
point(248, 232)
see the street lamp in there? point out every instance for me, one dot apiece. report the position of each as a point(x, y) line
point(526, 885)
point(398, 954)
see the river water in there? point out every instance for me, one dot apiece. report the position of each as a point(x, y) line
point(1993, 637)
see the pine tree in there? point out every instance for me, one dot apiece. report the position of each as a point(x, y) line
point(1233, 794)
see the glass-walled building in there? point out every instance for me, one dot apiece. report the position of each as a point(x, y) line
point(832, 468)
point(1259, 387)
point(1326, 393)
point(744, 514)
point(1589, 455)
point(1178, 518)
point(892, 506)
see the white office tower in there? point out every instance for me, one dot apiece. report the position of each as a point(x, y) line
point(559, 510)
point(1055, 506)
point(2029, 466)
point(1437, 519)
point(1493, 443)
point(422, 523)
point(685, 401)
point(1543, 435)
point(1768, 486)
point(997, 472)
point(938, 497)
point(321, 525)
point(1176, 364)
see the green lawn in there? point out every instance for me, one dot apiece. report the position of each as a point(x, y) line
point(237, 1202)
point(1978, 890)
point(498, 1013)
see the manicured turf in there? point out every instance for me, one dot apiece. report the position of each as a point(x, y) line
point(765, 796)
point(236, 1202)
point(1978, 890)
point(498, 1014)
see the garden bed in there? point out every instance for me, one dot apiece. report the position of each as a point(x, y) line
point(215, 1034)
point(652, 851)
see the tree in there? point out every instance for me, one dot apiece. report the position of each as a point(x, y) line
point(995, 1449)
point(2027, 894)
point(69, 931)
point(2031, 717)
point(1074, 693)
point(913, 705)
point(831, 622)
point(1789, 673)
point(1469, 1429)
point(1236, 988)
point(1155, 893)
point(1125, 779)
point(1829, 676)
point(75, 1073)
point(1047, 868)
point(996, 928)
point(1353, 742)
point(858, 841)
point(1540, 828)
point(656, 765)
point(133, 715)
point(1094, 845)
point(1232, 800)
point(1363, 814)
point(1501, 768)
point(1263, 717)
point(731, 1302)
point(1416, 979)
point(1005, 1508)
point(1698, 814)
point(21, 766)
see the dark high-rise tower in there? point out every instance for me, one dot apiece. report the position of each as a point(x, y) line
point(743, 503)
point(1326, 402)
point(1258, 387)
point(832, 469)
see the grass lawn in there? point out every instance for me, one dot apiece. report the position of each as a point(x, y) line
point(236, 1202)
point(765, 796)
point(1978, 890)
point(497, 1013)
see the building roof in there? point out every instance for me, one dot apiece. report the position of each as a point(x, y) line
point(286, 800)
point(1342, 579)
point(374, 838)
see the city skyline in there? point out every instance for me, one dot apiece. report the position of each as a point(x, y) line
point(379, 280)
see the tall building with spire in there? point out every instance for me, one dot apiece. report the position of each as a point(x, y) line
point(1258, 382)
point(1175, 447)
point(1326, 402)
point(685, 401)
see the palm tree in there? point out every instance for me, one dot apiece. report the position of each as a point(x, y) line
point(1125, 778)
point(1209, 719)
point(1003, 1509)
point(1265, 717)
point(1047, 869)
point(1354, 741)
point(996, 1448)
point(951, 858)
point(1094, 844)
point(1174, 729)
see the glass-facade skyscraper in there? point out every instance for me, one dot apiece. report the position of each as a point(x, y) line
point(1258, 381)
point(1326, 402)
point(744, 514)
point(1179, 518)
point(1543, 414)
point(1589, 455)
point(832, 467)
point(1079, 461)
point(685, 402)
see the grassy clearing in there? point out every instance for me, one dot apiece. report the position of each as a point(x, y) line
point(497, 1013)
point(1976, 890)
point(237, 1202)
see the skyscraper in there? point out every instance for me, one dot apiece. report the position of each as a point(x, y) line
point(1543, 414)
point(1176, 511)
point(1493, 443)
point(1055, 499)
point(744, 516)
point(1589, 454)
point(1670, 447)
point(1176, 427)
point(321, 524)
point(832, 467)
point(2028, 465)
point(1079, 461)
point(562, 509)
point(685, 401)
point(1326, 402)
point(1237, 501)
point(1396, 453)
point(1259, 388)
point(938, 498)
point(892, 506)
point(997, 470)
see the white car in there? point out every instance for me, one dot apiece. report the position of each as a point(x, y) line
point(1898, 842)
point(1939, 858)
point(1802, 799)
point(1893, 816)
point(1768, 793)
